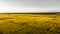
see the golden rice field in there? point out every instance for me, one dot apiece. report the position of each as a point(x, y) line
point(29, 24)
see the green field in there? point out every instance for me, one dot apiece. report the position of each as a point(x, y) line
point(29, 24)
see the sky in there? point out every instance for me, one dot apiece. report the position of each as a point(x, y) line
point(23, 6)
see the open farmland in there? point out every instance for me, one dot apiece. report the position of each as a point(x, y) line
point(29, 24)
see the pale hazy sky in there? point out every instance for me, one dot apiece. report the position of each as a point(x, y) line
point(29, 6)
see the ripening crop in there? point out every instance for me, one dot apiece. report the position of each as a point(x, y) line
point(29, 24)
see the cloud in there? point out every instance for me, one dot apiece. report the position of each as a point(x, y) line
point(29, 6)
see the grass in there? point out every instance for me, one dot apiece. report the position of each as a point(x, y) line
point(29, 24)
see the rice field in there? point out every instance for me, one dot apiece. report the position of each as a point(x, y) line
point(29, 24)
